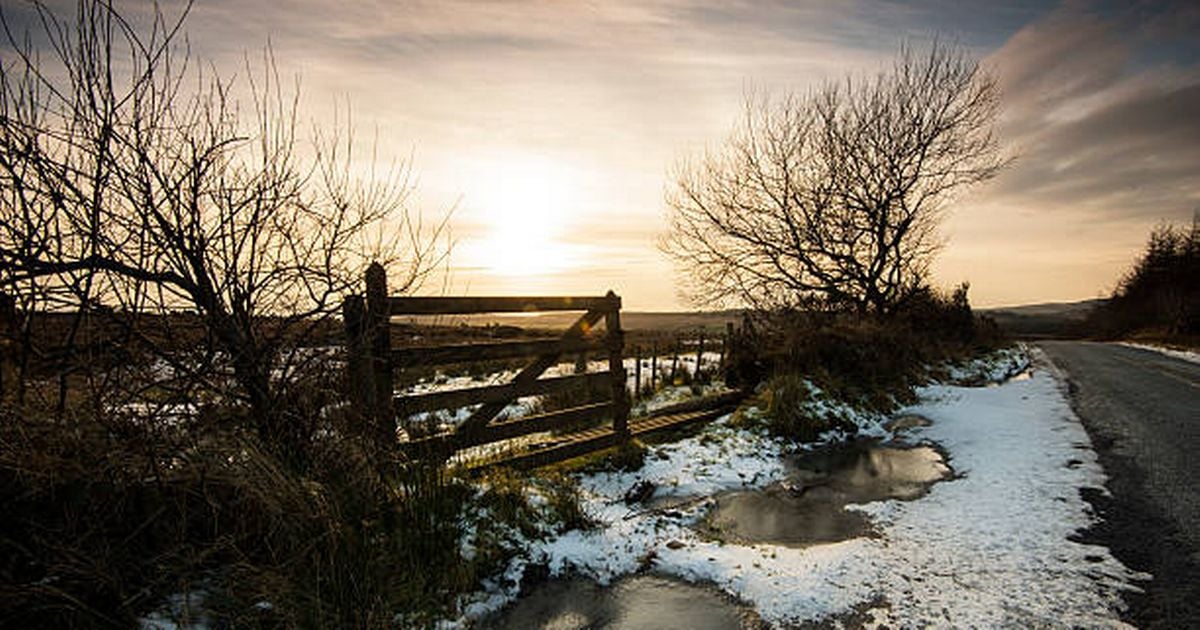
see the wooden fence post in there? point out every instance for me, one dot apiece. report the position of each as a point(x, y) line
point(616, 343)
point(378, 333)
point(637, 372)
point(699, 357)
point(581, 361)
point(675, 361)
point(654, 367)
point(8, 349)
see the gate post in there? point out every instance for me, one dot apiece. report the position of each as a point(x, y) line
point(616, 366)
point(654, 367)
point(378, 336)
point(637, 372)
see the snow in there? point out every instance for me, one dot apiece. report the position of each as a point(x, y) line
point(446, 419)
point(995, 368)
point(1185, 355)
point(675, 394)
point(180, 610)
point(990, 547)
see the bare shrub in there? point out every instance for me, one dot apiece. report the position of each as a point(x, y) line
point(141, 197)
point(832, 199)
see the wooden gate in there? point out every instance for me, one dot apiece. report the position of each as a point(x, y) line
point(372, 360)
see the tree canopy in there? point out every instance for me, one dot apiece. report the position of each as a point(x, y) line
point(1161, 292)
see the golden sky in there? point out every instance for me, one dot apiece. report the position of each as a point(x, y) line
point(552, 127)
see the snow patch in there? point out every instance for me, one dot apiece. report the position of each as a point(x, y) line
point(1191, 356)
point(992, 369)
point(990, 547)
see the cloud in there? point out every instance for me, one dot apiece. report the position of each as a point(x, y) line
point(1099, 104)
point(1102, 123)
point(1099, 107)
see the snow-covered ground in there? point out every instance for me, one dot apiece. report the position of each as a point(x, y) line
point(1186, 355)
point(526, 405)
point(990, 547)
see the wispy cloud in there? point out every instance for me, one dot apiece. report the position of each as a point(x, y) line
point(1099, 108)
point(1101, 124)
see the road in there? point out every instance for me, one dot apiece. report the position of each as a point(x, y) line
point(1142, 411)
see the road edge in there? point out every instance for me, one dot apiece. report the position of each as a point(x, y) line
point(1135, 530)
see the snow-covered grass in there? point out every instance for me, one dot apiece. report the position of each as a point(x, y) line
point(990, 547)
point(667, 394)
point(675, 394)
point(992, 369)
point(1186, 355)
point(181, 610)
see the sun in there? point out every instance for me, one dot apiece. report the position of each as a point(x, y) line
point(524, 206)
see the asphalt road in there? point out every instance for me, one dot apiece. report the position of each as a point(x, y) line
point(1142, 411)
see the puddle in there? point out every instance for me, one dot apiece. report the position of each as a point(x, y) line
point(777, 516)
point(638, 602)
point(809, 506)
point(862, 471)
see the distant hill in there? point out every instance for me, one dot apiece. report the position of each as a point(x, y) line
point(1050, 319)
point(1070, 310)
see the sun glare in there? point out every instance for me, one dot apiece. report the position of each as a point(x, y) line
point(524, 206)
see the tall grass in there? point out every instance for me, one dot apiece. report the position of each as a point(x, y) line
point(104, 520)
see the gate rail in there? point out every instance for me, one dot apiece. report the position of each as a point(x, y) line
point(371, 361)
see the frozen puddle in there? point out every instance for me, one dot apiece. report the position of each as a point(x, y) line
point(638, 602)
point(808, 507)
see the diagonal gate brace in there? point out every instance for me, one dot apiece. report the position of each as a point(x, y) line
point(488, 411)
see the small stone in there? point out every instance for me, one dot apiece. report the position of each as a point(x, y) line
point(675, 544)
point(640, 491)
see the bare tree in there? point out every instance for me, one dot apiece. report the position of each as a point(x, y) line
point(833, 198)
point(135, 185)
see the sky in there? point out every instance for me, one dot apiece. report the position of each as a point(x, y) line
point(550, 129)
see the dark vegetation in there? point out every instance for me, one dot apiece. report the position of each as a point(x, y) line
point(871, 363)
point(110, 514)
point(171, 429)
point(107, 518)
point(1159, 298)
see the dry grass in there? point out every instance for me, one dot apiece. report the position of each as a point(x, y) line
point(103, 524)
